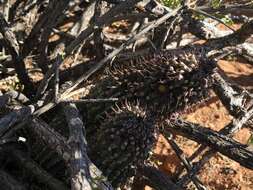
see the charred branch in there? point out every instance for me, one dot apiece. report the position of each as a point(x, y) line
point(12, 45)
point(215, 140)
point(157, 179)
point(33, 168)
point(80, 174)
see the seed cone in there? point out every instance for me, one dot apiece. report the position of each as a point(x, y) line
point(163, 83)
point(122, 142)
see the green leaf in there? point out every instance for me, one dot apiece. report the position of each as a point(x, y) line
point(216, 4)
point(226, 19)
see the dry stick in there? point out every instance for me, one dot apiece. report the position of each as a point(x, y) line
point(157, 178)
point(84, 21)
point(56, 78)
point(32, 39)
point(12, 95)
point(233, 98)
point(237, 37)
point(57, 10)
point(213, 17)
point(97, 35)
point(13, 9)
point(5, 9)
point(80, 173)
point(196, 167)
point(187, 164)
point(221, 143)
point(235, 124)
point(12, 45)
point(98, 100)
point(48, 76)
point(80, 163)
point(55, 141)
point(168, 31)
point(198, 28)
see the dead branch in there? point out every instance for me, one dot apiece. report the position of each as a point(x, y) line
point(157, 179)
point(12, 45)
point(12, 95)
point(237, 37)
point(187, 164)
point(56, 10)
point(32, 168)
point(215, 140)
point(235, 99)
point(12, 118)
point(58, 143)
point(80, 173)
point(54, 140)
point(48, 76)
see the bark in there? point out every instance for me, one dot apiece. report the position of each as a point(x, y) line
point(32, 167)
point(223, 144)
point(80, 174)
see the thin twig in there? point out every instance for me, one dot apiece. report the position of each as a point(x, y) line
point(98, 100)
point(187, 164)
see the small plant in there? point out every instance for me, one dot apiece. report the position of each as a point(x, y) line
point(171, 3)
point(226, 19)
point(250, 141)
point(216, 4)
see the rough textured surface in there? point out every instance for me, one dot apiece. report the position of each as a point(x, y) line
point(122, 142)
point(163, 82)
